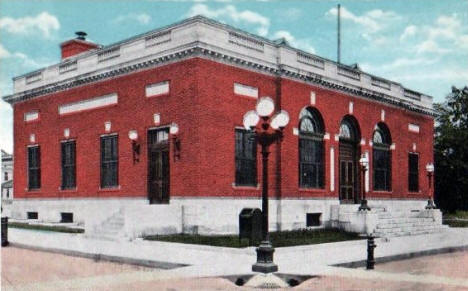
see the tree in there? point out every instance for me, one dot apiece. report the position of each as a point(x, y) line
point(451, 151)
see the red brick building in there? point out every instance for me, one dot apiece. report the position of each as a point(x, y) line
point(73, 158)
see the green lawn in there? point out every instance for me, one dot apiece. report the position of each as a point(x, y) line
point(458, 214)
point(57, 228)
point(278, 239)
point(457, 219)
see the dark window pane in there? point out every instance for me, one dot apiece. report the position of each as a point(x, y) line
point(68, 165)
point(34, 167)
point(246, 158)
point(413, 172)
point(109, 161)
point(310, 163)
point(382, 169)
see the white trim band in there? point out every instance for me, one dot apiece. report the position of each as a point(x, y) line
point(88, 104)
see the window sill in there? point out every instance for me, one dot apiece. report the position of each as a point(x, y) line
point(318, 190)
point(110, 189)
point(414, 192)
point(68, 190)
point(34, 190)
point(382, 191)
point(246, 187)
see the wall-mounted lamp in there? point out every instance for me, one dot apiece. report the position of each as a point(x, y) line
point(133, 136)
point(174, 130)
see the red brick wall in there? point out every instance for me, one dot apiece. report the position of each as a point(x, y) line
point(202, 102)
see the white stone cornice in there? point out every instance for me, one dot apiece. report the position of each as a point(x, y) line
point(202, 37)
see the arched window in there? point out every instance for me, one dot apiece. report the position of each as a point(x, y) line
point(311, 165)
point(382, 158)
point(348, 130)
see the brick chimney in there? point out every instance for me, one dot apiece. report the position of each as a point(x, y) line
point(76, 46)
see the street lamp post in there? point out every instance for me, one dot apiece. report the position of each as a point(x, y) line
point(430, 174)
point(265, 137)
point(363, 162)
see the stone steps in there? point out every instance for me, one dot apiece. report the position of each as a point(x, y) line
point(402, 223)
point(111, 228)
point(434, 229)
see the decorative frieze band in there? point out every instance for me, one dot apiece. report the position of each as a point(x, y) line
point(68, 67)
point(246, 42)
point(310, 60)
point(88, 104)
point(34, 78)
point(347, 72)
point(158, 38)
point(31, 116)
point(109, 54)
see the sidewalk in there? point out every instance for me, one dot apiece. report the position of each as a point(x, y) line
point(206, 261)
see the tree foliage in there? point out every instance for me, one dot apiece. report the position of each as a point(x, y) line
point(451, 151)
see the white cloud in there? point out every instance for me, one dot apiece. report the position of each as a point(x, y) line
point(445, 35)
point(410, 31)
point(142, 18)
point(24, 60)
point(6, 121)
point(292, 13)
point(430, 46)
point(399, 63)
point(4, 53)
point(372, 21)
point(43, 22)
point(462, 41)
point(231, 12)
point(304, 44)
point(448, 74)
point(284, 34)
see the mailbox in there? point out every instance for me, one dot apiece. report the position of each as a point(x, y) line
point(250, 225)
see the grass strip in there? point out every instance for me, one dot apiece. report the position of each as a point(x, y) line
point(278, 239)
point(56, 228)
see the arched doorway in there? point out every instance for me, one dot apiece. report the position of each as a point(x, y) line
point(350, 137)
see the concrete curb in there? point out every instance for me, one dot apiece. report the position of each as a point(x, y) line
point(362, 263)
point(102, 257)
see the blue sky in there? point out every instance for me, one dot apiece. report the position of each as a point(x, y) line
point(422, 44)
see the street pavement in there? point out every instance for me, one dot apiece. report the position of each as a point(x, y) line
point(196, 265)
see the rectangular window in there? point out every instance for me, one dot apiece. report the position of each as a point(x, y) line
point(311, 163)
point(32, 215)
point(382, 169)
point(68, 165)
point(6, 177)
point(34, 168)
point(246, 158)
point(313, 219)
point(66, 217)
point(109, 161)
point(413, 172)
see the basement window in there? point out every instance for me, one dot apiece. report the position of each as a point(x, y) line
point(66, 217)
point(32, 215)
point(313, 219)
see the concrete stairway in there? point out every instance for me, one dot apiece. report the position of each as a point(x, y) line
point(111, 228)
point(401, 223)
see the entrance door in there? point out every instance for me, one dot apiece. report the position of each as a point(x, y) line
point(158, 166)
point(348, 173)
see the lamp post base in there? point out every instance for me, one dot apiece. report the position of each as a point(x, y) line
point(430, 204)
point(364, 205)
point(264, 262)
